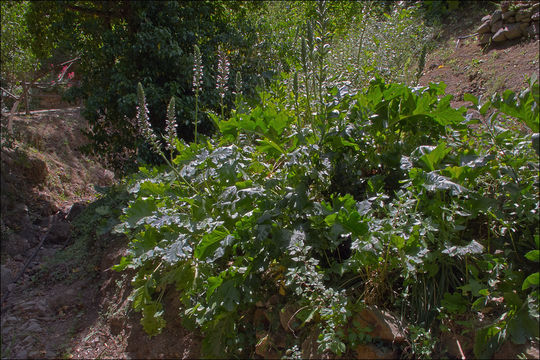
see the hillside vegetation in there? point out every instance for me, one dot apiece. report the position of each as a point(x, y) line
point(293, 186)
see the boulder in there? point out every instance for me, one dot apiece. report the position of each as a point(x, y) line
point(16, 245)
point(59, 233)
point(535, 16)
point(385, 326)
point(499, 36)
point(535, 7)
point(6, 276)
point(486, 18)
point(36, 170)
point(511, 20)
point(74, 211)
point(523, 16)
point(484, 28)
point(370, 351)
point(496, 26)
point(286, 318)
point(524, 27)
point(508, 14)
point(496, 16)
point(512, 31)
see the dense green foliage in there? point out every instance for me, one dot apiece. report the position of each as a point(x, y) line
point(388, 197)
point(18, 62)
point(122, 43)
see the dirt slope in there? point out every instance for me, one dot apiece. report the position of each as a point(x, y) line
point(467, 67)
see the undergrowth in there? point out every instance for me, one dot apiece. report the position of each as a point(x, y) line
point(386, 197)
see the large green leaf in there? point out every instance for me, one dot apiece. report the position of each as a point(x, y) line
point(210, 242)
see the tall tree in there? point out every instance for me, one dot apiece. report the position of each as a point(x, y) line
point(122, 43)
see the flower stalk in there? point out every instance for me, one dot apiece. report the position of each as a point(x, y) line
point(197, 81)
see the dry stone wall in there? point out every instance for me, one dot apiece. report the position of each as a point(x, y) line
point(513, 21)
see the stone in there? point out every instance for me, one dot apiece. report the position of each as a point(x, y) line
point(508, 14)
point(66, 298)
point(511, 20)
point(523, 16)
point(449, 343)
point(535, 7)
point(33, 326)
point(36, 170)
point(524, 27)
point(484, 28)
point(116, 324)
point(499, 36)
point(535, 16)
point(505, 5)
point(496, 16)
point(534, 29)
point(6, 276)
point(370, 351)
point(16, 245)
point(496, 26)
point(385, 326)
point(310, 346)
point(60, 232)
point(264, 346)
point(74, 211)
point(484, 38)
point(486, 18)
point(512, 31)
point(286, 317)
point(21, 354)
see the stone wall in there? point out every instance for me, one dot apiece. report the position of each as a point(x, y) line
point(515, 19)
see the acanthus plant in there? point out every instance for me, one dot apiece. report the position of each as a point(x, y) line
point(387, 206)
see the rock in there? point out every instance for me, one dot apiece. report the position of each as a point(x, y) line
point(534, 29)
point(535, 16)
point(523, 16)
point(512, 31)
point(506, 15)
point(16, 245)
point(504, 6)
point(496, 16)
point(21, 354)
point(535, 7)
point(116, 325)
point(511, 20)
point(74, 211)
point(261, 319)
point(310, 346)
point(484, 28)
point(484, 38)
point(449, 342)
point(499, 36)
point(385, 326)
point(33, 326)
point(370, 351)
point(486, 18)
point(60, 232)
point(496, 26)
point(535, 139)
point(65, 299)
point(36, 170)
point(264, 346)
point(286, 317)
point(6, 276)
